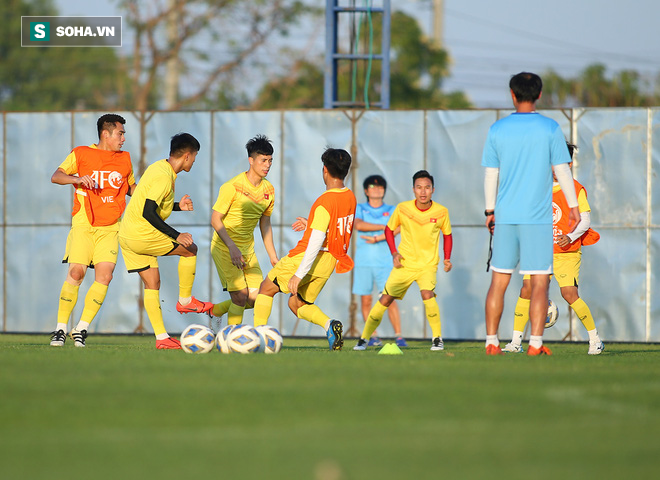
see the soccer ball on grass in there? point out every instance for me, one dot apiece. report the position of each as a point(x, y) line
point(272, 338)
point(245, 339)
point(197, 339)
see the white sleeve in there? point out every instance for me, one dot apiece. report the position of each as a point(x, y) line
point(490, 186)
point(582, 227)
point(314, 245)
point(565, 180)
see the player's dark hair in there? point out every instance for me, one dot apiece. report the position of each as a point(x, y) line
point(337, 161)
point(182, 143)
point(109, 122)
point(526, 86)
point(571, 148)
point(374, 180)
point(259, 145)
point(423, 174)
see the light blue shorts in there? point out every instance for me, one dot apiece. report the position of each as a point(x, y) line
point(364, 279)
point(531, 246)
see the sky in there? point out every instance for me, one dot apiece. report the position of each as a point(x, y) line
point(490, 40)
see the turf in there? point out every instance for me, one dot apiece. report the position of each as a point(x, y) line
point(119, 409)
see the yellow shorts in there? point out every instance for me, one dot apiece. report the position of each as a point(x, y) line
point(566, 267)
point(401, 279)
point(232, 278)
point(140, 255)
point(312, 284)
point(90, 246)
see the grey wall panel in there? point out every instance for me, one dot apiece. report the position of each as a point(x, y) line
point(37, 143)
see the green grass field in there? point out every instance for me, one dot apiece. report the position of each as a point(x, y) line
point(119, 409)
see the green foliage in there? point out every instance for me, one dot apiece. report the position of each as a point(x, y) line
point(121, 409)
point(417, 71)
point(593, 87)
point(54, 78)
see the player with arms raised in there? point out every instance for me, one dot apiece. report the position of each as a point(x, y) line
point(324, 245)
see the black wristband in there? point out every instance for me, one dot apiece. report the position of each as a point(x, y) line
point(488, 213)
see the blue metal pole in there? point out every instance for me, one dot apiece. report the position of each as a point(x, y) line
point(330, 71)
point(385, 52)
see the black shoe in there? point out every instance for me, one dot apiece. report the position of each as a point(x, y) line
point(335, 339)
point(79, 337)
point(57, 338)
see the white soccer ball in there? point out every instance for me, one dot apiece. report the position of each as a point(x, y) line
point(553, 314)
point(221, 339)
point(272, 338)
point(197, 339)
point(245, 339)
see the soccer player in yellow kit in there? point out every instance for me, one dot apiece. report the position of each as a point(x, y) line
point(102, 176)
point(307, 267)
point(567, 258)
point(144, 236)
point(422, 221)
point(243, 202)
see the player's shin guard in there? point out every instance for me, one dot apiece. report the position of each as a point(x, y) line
point(584, 314)
point(93, 301)
point(262, 308)
point(521, 314)
point(219, 309)
point(373, 320)
point(68, 299)
point(313, 314)
point(433, 316)
point(187, 267)
point(152, 306)
point(235, 314)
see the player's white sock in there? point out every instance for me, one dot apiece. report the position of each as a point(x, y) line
point(536, 341)
point(492, 340)
point(61, 326)
point(517, 337)
point(183, 301)
point(162, 336)
point(82, 326)
point(593, 335)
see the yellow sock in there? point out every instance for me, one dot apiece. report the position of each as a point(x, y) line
point(235, 315)
point(219, 309)
point(584, 314)
point(433, 316)
point(262, 308)
point(187, 266)
point(152, 306)
point(373, 320)
point(68, 299)
point(521, 314)
point(313, 314)
point(93, 301)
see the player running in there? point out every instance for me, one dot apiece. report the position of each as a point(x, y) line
point(144, 236)
point(324, 245)
point(102, 175)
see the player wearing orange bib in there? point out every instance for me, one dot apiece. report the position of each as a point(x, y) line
point(245, 201)
point(567, 258)
point(324, 246)
point(102, 176)
point(422, 222)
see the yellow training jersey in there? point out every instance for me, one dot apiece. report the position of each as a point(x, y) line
point(243, 205)
point(156, 184)
point(420, 233)
point(70, 167)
